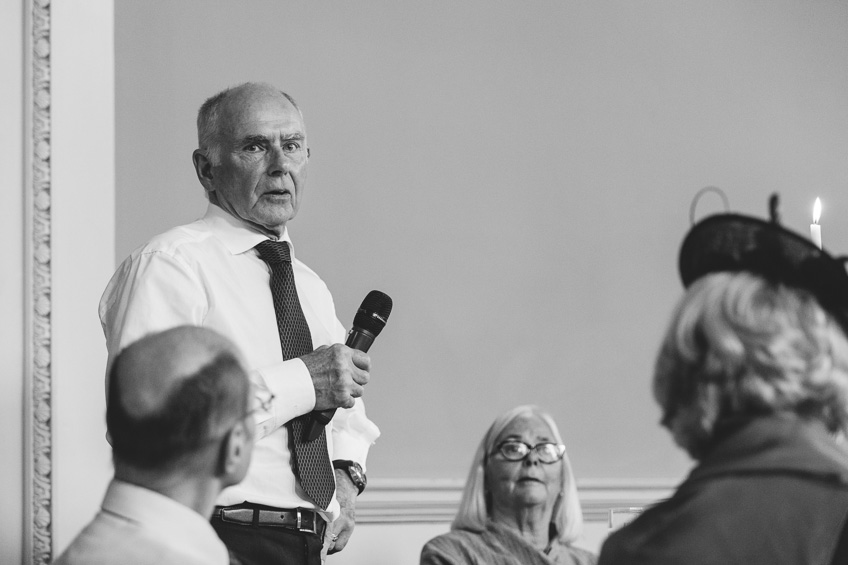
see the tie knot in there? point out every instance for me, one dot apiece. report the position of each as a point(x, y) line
point(274, 251)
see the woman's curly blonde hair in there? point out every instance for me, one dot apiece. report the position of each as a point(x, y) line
point(739, 346)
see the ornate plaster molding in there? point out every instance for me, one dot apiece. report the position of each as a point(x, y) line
point(419, 501)
point(39, 404)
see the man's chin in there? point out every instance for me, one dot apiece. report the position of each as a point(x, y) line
point(275, 223)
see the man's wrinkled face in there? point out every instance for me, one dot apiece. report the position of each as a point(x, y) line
point(261, 167)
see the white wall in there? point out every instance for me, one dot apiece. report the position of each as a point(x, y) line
point(57, 225)
point(516, 176)
point(11, 281)
point(83, 227)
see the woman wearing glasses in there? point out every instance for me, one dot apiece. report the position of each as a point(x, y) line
point(520, 505)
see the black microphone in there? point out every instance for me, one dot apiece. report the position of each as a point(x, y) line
point(368, 322)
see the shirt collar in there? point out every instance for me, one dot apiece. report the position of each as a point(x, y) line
point(172, 523)
point(237, 235)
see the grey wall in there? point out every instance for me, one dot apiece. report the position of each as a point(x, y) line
point(516, 175)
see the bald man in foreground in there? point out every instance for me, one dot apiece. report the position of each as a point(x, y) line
point(179, 421)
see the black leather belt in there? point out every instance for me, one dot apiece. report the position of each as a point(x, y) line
point(300, 519)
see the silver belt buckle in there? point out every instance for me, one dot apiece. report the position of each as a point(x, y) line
point(313, 529)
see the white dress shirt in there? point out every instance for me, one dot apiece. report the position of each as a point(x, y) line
point(207, 274)
point(137, 526)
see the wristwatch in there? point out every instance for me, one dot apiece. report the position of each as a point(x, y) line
point(354, 471)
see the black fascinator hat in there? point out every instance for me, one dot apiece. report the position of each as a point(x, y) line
point(733, 242)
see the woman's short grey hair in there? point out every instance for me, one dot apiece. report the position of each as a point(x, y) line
point(738, 347)
point(475, 506)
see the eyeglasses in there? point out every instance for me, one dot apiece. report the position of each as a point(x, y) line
point(547, 452)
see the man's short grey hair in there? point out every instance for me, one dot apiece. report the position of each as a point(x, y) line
point(475, 505)
point(208, 119)
point(202, 405)
point(738, 347)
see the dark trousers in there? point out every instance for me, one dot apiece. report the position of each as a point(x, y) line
point(269, 545)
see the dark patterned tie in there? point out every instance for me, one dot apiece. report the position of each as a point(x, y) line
point(311, 461)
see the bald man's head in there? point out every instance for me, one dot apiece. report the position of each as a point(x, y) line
point(214, 112)
point(172, 393)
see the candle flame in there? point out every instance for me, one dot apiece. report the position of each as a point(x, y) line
point(817, 210)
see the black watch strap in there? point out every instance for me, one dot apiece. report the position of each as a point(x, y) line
point(354, 471)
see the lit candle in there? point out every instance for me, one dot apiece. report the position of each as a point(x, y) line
point(815, 228)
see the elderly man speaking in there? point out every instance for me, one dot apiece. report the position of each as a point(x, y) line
point(235, 270)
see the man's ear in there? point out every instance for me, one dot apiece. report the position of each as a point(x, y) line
point(236, 450)
point(203, 168)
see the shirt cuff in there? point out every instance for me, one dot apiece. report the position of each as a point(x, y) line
point(283, 391)
point(353, 445)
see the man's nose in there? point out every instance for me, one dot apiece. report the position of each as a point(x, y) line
point(279, 163)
